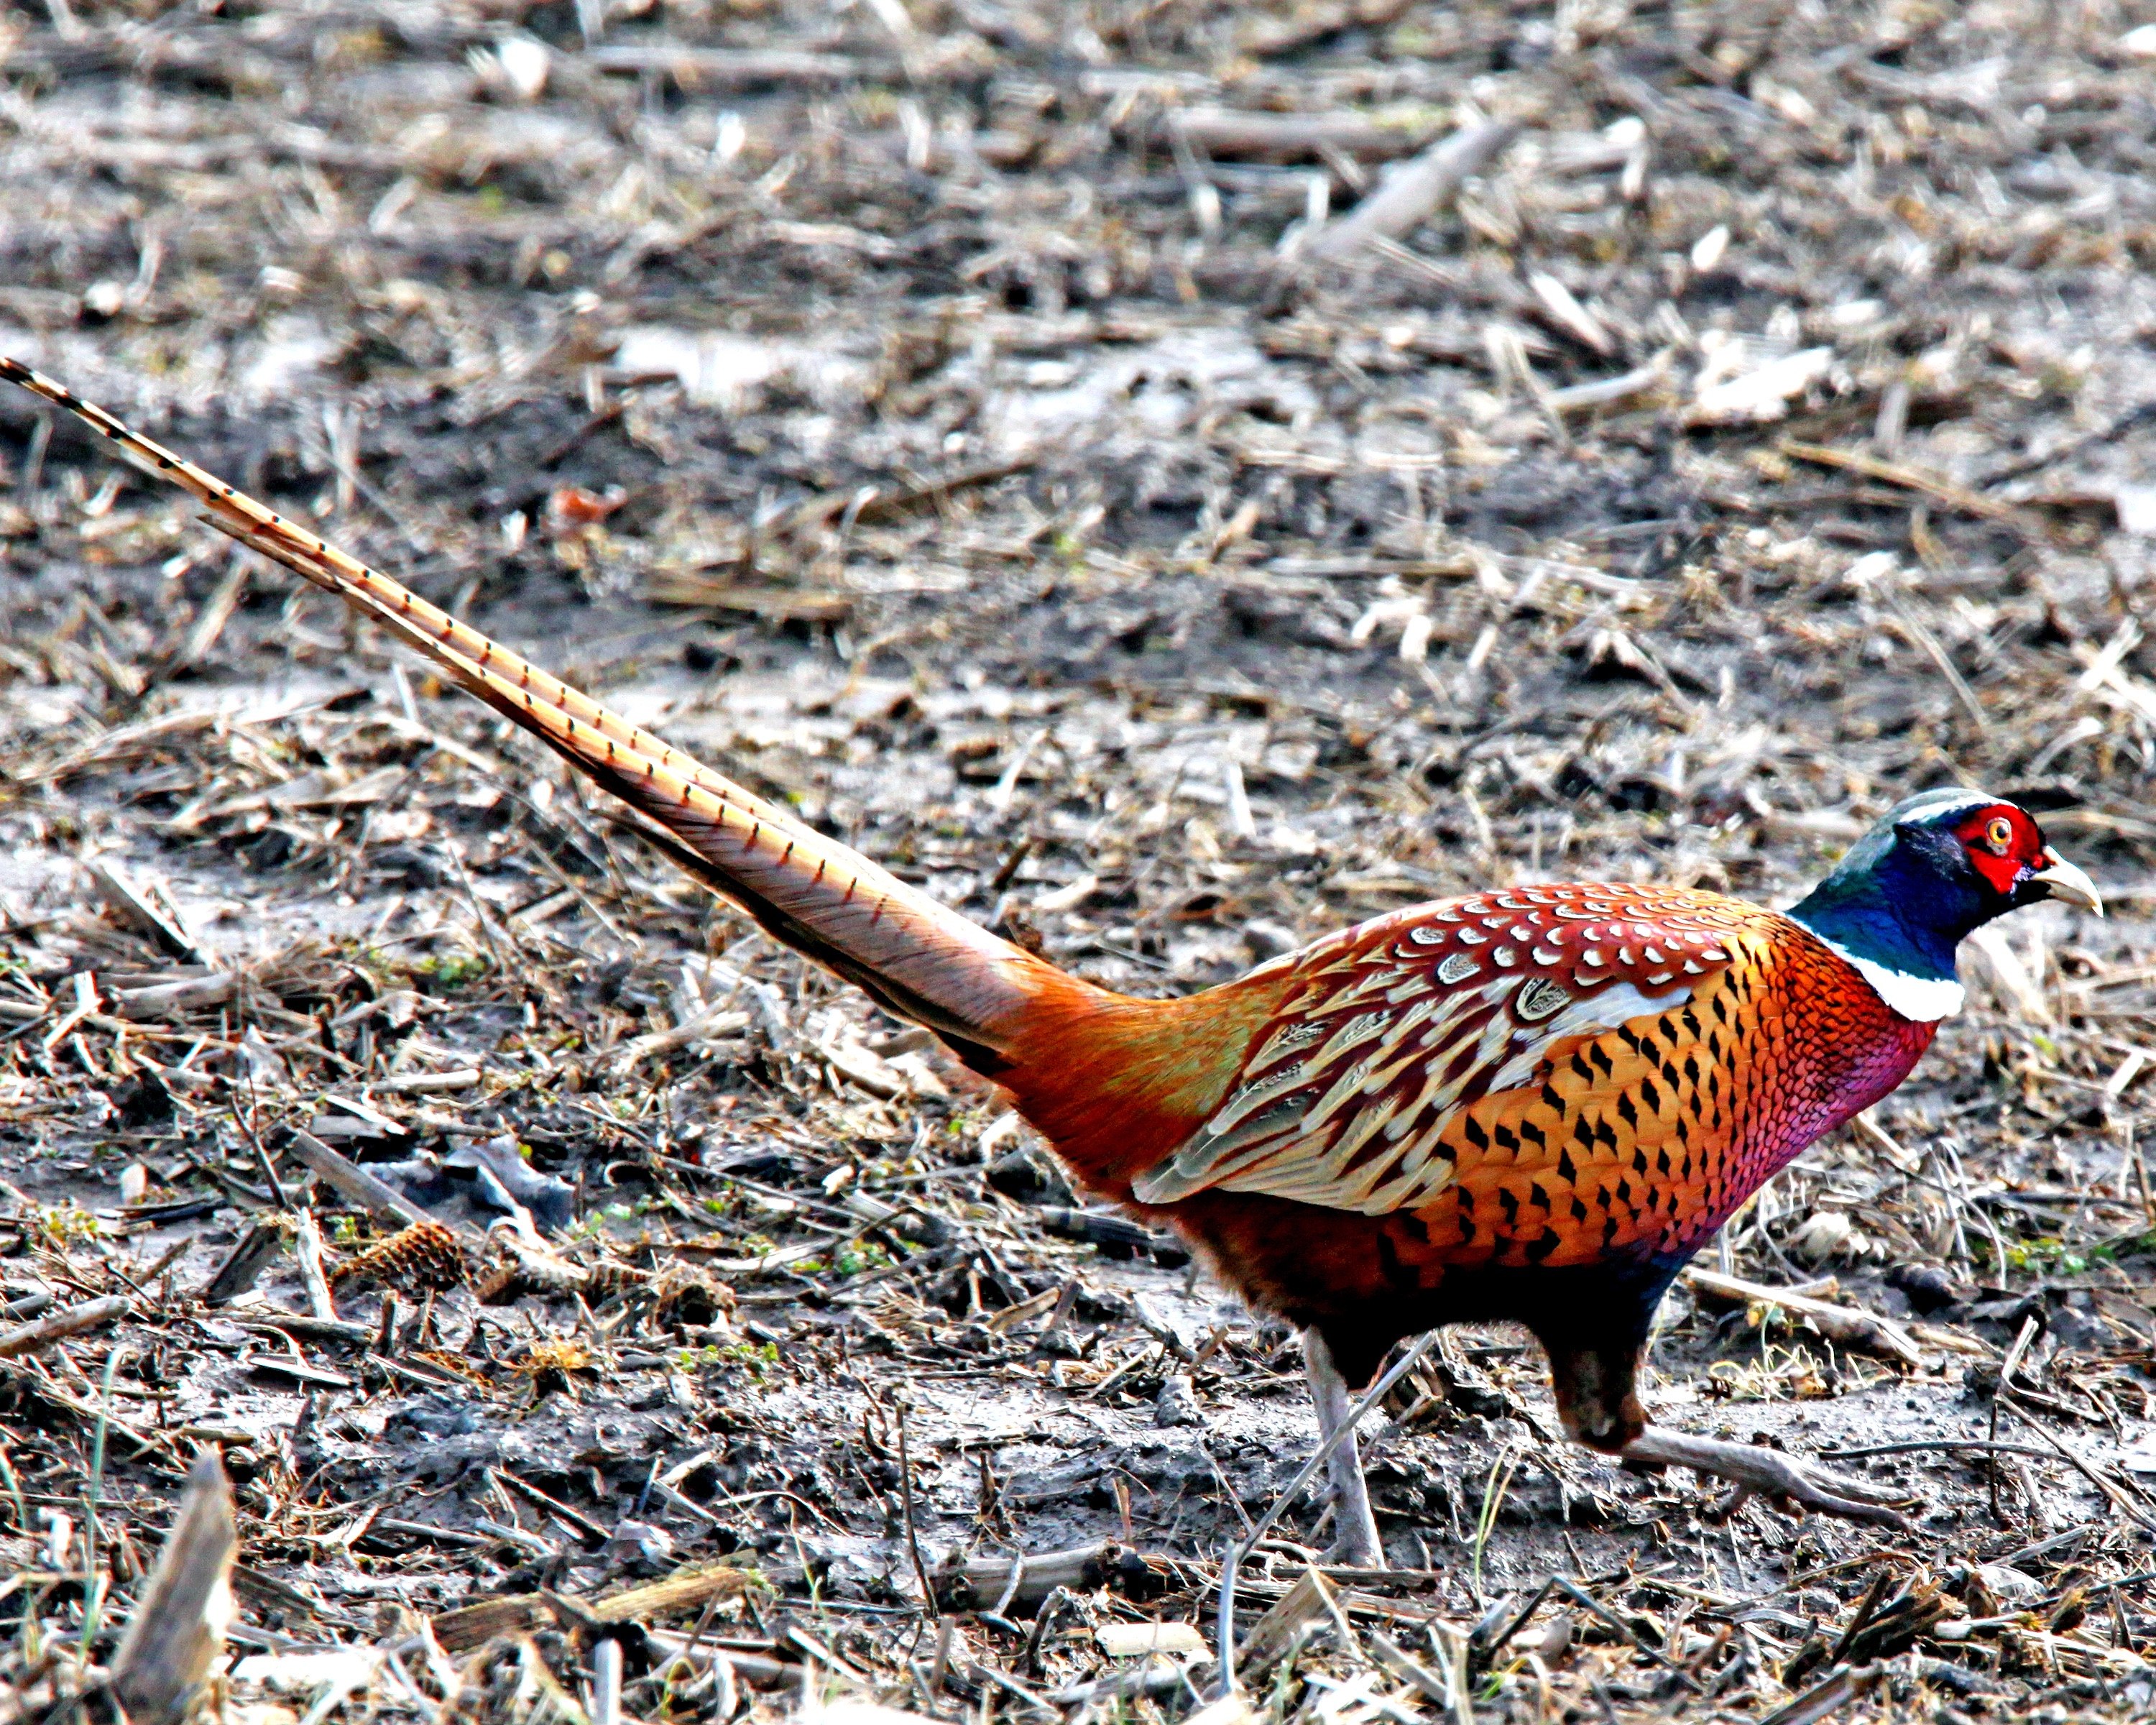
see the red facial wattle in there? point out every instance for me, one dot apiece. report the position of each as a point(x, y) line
point(2003, 846)
point(2000, 873)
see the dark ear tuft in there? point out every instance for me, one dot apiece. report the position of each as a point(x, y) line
point(1938, 847)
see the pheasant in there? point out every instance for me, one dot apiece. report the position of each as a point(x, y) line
point(1533, 1103)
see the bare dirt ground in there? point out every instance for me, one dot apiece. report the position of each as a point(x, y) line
point(1015, 434)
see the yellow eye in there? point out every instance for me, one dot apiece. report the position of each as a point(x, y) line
point(1999, 834)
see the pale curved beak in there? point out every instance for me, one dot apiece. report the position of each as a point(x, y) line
point(2060, 879)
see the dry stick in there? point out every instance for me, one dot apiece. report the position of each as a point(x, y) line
point(1837, 1691)
point(362, 1188)
point(93, 1581)
point(1935, 649)
point(1004, 1680)
point(2140, 1172)
point(202, 636)
point(2007, 1368)
point(1909, 478)
point(2073, 445)
point(479, 909)
point(606, 1682)
point(56, 1326)
point(574, 1518)
point(1231, 131)
point(1867, 1608)
point(8, 1477)
point(1929, 1445)
point(1967, 1204)
point(1494, 1489)
point(1037, 1574)
point(111, 1265)
point(1983, 1446)
point(1010, 1588)
point(715, 69)
point(1401, 1663)
point(1587, 1602)
point(178, 1626)
point(1232, 1561)
point(307, 1248)
point(246, 1118)
point(1416, 190)
point(1220, 1478)
point(905, 1495)
point(1845, 1324)
point(2103, 1485)
point(939, 1668)
point(165, 1261)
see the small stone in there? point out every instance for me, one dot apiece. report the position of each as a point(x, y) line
point(2136, 509)
point(639, 1542)
point(1177, 1404)
point(525, 61)
point(2008, 1585)
point(1828, 1234)
point(1134, 1640)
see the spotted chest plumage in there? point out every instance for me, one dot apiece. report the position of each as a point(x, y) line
point(1643, 1140)
point(1549, 1074)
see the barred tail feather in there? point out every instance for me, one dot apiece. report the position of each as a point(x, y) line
point(917, 956)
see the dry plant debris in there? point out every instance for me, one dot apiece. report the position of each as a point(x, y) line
point(1172, 477)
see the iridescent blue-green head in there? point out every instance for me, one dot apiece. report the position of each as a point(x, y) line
point(1937, 866)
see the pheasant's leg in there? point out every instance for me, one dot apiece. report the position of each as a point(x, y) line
point(1595, 1378)
point(1359, 1546)
point(1596, 1381)
point(1768, 1472)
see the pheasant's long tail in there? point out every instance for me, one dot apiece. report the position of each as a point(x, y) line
point(922, 959)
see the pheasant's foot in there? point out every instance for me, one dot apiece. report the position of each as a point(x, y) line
point(1350, 1551)
point(1357, 1547)
point(1752, 1468)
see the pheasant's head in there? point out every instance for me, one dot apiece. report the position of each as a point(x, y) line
point(1939, 865)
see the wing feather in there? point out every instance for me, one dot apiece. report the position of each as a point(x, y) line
point(1395, 1027)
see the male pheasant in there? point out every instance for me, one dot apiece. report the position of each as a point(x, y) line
point(1534, 1103)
